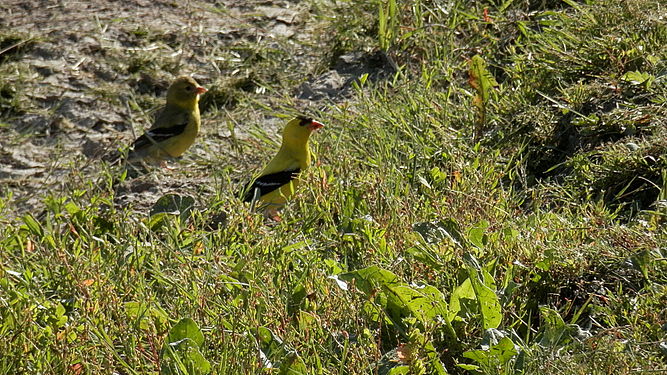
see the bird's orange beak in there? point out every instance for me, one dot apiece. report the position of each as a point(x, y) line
point(200, 90)
point(314, 125)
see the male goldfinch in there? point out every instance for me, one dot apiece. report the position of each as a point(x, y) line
point(175, 127)
point(277, 181)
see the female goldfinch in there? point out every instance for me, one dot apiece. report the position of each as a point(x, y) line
point(175, 127)
point(277, 181)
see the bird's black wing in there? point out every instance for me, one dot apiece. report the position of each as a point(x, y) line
point(153, 136)
point(268, 183)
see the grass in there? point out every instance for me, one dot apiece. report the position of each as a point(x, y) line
point(531, 243)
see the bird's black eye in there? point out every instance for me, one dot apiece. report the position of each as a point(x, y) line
point(303, 121)
point(189, 88)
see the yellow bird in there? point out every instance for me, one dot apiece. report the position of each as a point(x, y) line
point(175, 127)
point(278, 180)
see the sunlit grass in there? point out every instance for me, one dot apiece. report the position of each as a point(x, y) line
point(542, 231)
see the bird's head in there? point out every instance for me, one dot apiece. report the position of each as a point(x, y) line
point(184, 92)
point(298, 130)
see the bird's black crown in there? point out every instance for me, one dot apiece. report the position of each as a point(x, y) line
point(303, 120)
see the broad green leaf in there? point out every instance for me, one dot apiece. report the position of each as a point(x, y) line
point(487, 300)
point(504, 350)
point(488, 279)
point(186, 328)
point(476, 234)
point(157, 220)
point(143, 311)
point(72, 208)
point(174, 204)
point(180, 352)
point(554, 327)
point(137, 310)
point(438, 231)
point(479, 356)
point(471, 262)
point(437, 368)
point(510, 234)
point(481, 80)
point(399, 370)
point(463, 291)
point(495, 356)
point(468, 367)
point(60, 317)
point(399, 300)
point(293, 364)
point(373, 311)
point(639, 78)
point(369, 279)
point(556, 333)
point(183, 357)
point(424, 302)
point(278, 354)
point(308, 322)
point(295, 303)
point(488, 303)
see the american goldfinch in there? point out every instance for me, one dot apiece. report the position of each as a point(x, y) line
point(277, 181)
point(175, 127)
